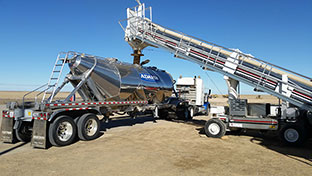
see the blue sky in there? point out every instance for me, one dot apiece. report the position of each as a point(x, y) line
point(33, 32)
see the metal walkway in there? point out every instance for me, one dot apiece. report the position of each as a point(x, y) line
point(287, 85)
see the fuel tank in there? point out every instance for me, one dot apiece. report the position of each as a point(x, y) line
point(115, 80)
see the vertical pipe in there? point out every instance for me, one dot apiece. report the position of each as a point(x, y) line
point(137, 56)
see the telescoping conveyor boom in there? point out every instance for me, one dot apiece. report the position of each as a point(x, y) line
point(287, 85)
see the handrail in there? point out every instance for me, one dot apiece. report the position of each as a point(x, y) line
point(30, 93)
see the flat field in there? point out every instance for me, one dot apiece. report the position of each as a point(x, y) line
point(7, 96)
point(148, 146)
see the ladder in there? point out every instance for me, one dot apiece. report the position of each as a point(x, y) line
point(277, 81)
point(56, 73)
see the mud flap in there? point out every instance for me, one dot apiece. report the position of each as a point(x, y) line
point(39, 135)
point(7, 129)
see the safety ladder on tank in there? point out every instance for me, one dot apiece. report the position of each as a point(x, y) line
point(141, 29)
point(54, 79)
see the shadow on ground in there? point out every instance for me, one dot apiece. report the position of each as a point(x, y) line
point(13, 148)
point(120, 122)
point(114, 123)
point(125, 121)
point(194, 122)
point(269, 140)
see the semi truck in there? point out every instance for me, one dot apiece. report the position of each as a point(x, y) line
point(105, 85)
point(192, 89)
point(293, 119)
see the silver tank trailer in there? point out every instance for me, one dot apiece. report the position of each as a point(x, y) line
point(115, 80)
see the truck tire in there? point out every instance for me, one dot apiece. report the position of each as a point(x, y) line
point(23, 133)
point(293, 134)
point(163, 114)
point(88, 127)
point(190, 113)
point(215, 128)
point(62, 131)
point(185, 113)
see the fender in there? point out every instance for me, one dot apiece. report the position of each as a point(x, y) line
point(71, 111)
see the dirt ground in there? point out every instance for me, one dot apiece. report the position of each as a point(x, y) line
point(145, 146)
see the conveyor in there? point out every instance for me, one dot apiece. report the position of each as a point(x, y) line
point(285, 84)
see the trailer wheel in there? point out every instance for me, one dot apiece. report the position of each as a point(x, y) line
point(88, 127)
point(215, 128)
point(190, 113)
point(62, 131)
point(23, 133)
point(293, 135)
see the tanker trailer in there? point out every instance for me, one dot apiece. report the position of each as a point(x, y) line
point(105, 85)
point(120, 81)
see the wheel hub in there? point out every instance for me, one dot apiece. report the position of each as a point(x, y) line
point(214, 128)
point(291, 135)
point(64, 131)
point(91, 127)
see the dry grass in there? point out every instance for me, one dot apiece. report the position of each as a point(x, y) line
point(7, 96)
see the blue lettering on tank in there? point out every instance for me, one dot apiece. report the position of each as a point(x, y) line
point(149, 77)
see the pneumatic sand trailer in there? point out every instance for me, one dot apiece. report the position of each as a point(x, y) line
point(105, 85)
